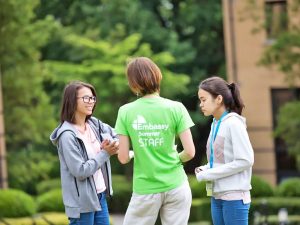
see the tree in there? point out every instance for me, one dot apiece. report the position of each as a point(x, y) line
point(189, 30)
point(284, 53)
point(28, 114)
point(103, 64)
point(288, 128)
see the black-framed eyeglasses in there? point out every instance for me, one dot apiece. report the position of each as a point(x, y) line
point(88, 99)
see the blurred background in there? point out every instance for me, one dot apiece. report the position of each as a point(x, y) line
point(46, 44)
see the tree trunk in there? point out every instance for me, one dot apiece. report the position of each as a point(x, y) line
point(3, 168)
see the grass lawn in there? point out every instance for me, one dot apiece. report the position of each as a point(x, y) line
point(39, 219)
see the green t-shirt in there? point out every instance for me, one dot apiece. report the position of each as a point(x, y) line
point(152, 124)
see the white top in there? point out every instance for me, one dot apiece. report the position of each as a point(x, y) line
point(233, 160)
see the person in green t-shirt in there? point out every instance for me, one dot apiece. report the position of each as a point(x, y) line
point(150, 124)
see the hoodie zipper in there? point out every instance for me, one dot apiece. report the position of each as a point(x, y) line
point(106, 168)
point(76, 186)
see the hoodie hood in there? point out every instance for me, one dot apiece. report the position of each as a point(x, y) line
point(233, 114)
point(66, 126)
point(54, 137)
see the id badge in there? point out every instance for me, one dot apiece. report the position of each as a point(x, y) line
point(209, 188)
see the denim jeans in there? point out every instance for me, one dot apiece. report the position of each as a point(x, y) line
point(233, 212)
point(94, 218)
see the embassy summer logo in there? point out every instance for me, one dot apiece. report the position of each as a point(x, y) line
point(149, 135)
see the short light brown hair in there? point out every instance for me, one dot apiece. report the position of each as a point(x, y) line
point(69, 101)
point(143, 76)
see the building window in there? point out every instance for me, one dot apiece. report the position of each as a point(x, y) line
point(285, 163)
point(276, 17)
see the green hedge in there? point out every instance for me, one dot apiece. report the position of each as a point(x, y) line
point(289, 188)
point(273, 204)
point(16, 203)
point(273, 220)
point(36, 166)
point(261, 188)
point(51, 202)
point(48, 185)
point(200, 210)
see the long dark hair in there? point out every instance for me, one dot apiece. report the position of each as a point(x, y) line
point(230, 93)
point(69, 101)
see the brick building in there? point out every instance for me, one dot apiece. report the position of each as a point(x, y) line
point(263, 89)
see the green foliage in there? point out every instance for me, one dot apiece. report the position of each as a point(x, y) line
point(103, 63)
point(48, 185)
point(53, 218)
point(16, 203)
point(285, 55)
point(260, 188)
point(122, 188)
point(200, 210)
point(28, 114)
point(190, 32)
point(28, 167)
point(51, 202)
point(289, 129)
point(289, 188)
point(283, 52)
point(198, 188)
point(273, 204)
point(45, 44)
point(273, 220)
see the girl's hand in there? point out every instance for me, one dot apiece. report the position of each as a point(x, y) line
point(111, 147)
point(131, 154)
point(198, 170)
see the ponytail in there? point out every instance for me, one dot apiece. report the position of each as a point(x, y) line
point(237, 104)
point(230, 93)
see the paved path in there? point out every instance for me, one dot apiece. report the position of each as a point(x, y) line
point(117, 219)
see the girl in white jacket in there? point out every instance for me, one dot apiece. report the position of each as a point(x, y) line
point(229, 153)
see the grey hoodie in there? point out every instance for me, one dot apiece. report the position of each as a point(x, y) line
point(76, 169)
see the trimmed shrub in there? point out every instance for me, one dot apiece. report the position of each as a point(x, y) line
point(289, 188)
point(51, 202)
point(198, 188)
point(16, 203)
point(261, 188)
point(48, 185)
point(273, 220)
point(51, 218)
point(36, 166)
point(273, 204)
point(122, 188)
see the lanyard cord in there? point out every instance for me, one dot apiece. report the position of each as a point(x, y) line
point(213, 137)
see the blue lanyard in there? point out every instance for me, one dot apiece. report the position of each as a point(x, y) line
point(213, 137)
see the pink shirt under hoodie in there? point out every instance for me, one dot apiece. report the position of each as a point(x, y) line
point(92, 146)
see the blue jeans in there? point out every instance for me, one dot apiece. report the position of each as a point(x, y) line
point(94, 218)
point(229, 212)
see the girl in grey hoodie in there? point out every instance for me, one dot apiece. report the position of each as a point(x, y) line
point(84, 145)
point(229, 153)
